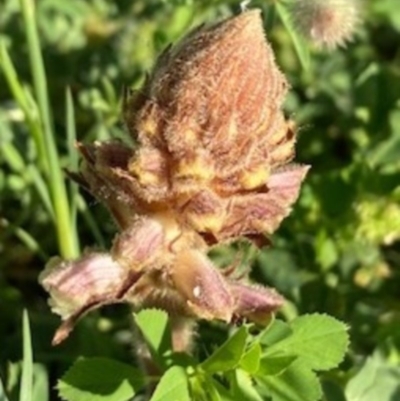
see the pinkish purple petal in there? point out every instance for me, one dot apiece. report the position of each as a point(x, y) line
point(254, 213)
point(74, 284)
point(139, 244)
point(288, 178)
point(204, 288)
point(254, 302)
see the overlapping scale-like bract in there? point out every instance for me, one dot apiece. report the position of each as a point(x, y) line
point(211, 164)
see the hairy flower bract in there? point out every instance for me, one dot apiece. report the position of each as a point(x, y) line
point(211, 165)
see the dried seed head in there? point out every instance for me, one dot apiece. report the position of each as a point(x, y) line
point(327, 23)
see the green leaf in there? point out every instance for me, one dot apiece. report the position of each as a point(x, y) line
point(277, 332)
point(27, 363)
point(275, 365)
point(387, 152)
point(319, 340)
point(376, 380)
point(326, 250)
point(250, 361)
point(3, 396)
point(228, 355)
point(296, 383)
point(388, 8)
point(205, 387)
point(333, 391)
point(100, 379)
point(243, 387)
point(214, 391)
point(153, 324)
point(173, 386)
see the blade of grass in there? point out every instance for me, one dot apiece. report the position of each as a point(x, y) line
point(20, 95)
point(73, 162)
point(12, 157)
point(71, 132)
point(16, 163)
point(41, 383)
point(41, 188)
point(25, 393)
point(29, 109)
point(270, 16)
point(300, 46)
point(65, 234)
point(77, 201)
point(24, 237)
point(91, 222)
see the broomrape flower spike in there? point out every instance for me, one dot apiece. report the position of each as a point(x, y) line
point(212, 165)
point(326, 23)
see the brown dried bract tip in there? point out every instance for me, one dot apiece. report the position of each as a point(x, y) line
point(211, 165)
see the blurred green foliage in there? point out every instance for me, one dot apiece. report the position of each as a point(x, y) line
point(338, 252)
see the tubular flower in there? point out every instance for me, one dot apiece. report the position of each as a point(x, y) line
point(211, 165)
